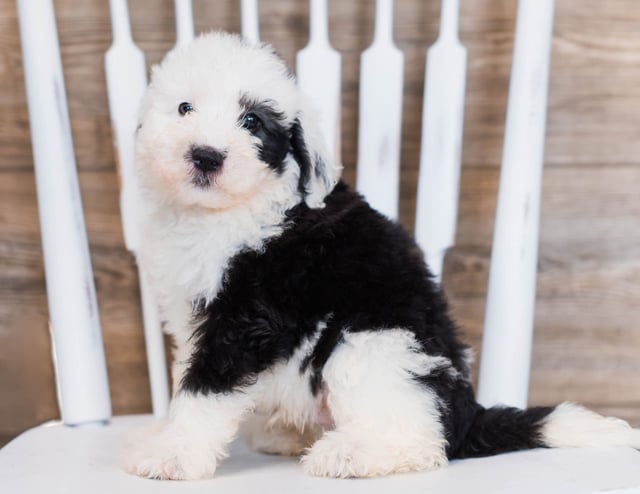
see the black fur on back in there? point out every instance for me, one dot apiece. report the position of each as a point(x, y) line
point(348, 266)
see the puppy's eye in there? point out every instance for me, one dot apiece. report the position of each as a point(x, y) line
point(184, 108)
point(250, 121)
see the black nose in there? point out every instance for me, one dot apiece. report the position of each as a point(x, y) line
point(206, 159)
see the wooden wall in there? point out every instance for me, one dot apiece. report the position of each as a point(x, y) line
point(587, 337)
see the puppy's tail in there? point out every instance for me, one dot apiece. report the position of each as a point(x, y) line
point(502, 429)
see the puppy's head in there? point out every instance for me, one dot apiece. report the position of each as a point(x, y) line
point(223, 122)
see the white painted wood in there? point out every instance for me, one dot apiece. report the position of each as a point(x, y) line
point(506, 347)
point(319, 69)
point(380, 121)
point(83, 388)
point(61, 460)
point(154, 345)
point(250, 20)
point(184, 22)
point(126, 76)
point(441, 151)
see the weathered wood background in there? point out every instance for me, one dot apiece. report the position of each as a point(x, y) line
point(587, 336)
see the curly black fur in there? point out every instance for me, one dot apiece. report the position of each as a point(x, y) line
point(352, 268)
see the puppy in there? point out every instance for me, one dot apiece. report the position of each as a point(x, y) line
point(289, 298)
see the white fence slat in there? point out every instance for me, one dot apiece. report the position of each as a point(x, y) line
point(250, 20)
point(506, 348)
point(381, 85)
point(82, 383)
point(441, 143)
point(154, 345)
point(184, 22)
point(126, 76)
point(319, 69)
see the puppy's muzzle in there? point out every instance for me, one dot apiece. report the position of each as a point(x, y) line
point(206, 159)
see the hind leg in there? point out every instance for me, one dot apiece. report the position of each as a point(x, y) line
point(385, 420)
point(266, 436)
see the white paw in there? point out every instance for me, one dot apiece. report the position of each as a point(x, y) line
point(340, 454)
point(164, 452)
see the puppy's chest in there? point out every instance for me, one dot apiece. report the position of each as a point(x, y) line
point(185, 265)
point(186, 258)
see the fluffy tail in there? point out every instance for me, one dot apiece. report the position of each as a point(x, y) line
point(502, 429)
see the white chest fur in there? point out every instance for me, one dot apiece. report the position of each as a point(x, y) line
point(184, 253)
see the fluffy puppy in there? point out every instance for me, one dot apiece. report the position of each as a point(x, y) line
point(289, 297)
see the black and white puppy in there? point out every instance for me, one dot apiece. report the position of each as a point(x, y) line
point(290, 299)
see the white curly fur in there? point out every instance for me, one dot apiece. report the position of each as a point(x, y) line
point(573, 426)
point(385, 422)
point(371, 417)
point(191, 441)
point(190, 233)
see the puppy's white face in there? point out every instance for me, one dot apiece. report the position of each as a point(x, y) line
point(222, 122)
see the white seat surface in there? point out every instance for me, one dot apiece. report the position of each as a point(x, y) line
point(54, 459)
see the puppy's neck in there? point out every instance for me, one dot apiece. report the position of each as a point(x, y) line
point(187, 250)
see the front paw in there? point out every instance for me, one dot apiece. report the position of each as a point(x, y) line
point(162, 451)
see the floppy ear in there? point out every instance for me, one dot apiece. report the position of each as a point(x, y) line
point(318, 171)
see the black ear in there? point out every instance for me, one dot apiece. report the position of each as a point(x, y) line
point(315, 181)
point(301, 155)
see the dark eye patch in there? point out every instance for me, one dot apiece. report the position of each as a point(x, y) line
point(268, 124)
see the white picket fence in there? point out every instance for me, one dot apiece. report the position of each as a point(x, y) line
point(504, 375)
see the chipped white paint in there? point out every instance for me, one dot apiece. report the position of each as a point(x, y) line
point(126, 76)
point(381, 84)
point(184, 22)
point(319, 69)
point(250, 20)
point(506, 347)
point(154, 345)
point(83, 388)
point(441, 144)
